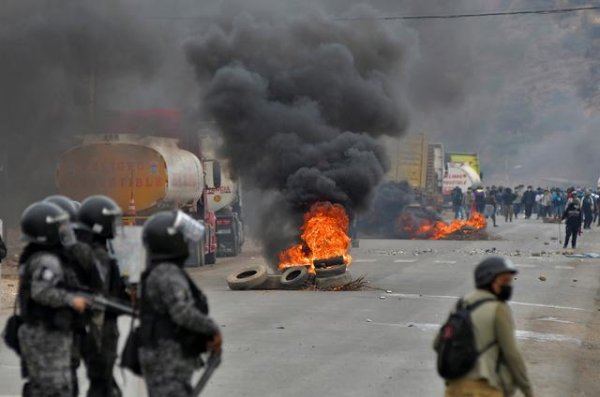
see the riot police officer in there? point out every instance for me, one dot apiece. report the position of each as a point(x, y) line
point(48, 306)
point(175, 327)
point(79, 256)
point(98, 221)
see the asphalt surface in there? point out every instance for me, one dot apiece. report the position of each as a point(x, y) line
point(377, 341)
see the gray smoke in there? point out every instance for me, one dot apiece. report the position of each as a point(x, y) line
point(300, 100)
point(50, 50)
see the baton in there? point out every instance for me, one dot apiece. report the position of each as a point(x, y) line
point(212, 363)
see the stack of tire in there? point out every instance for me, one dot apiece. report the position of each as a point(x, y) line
point(331, 273)
point(257, 277)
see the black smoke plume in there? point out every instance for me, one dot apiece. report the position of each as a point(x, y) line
point(299, 101)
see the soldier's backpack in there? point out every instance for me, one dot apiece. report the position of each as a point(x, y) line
point(456, 346)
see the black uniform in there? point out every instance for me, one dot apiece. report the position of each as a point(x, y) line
point(528, 200)
point(573, 224)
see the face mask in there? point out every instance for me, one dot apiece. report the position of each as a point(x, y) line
point(505, 292)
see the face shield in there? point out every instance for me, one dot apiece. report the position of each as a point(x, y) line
point(117, 220)
point(66, 231)
point(191, 229)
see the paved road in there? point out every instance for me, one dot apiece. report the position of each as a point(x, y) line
point(375, 343)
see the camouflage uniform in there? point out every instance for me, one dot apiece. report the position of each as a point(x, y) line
point(171, 303)
point(99, 344)
point(46, 336)
point(100, 359)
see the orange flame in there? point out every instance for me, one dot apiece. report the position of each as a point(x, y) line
point(324, 235)
point(439, 230)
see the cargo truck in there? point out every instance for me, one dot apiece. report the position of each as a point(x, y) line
point(144, 175)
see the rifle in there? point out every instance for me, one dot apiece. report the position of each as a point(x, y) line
point(212, 363)
point(100, 302)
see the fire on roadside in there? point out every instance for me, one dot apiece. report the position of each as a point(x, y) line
point(324, 234)
point(439, 230)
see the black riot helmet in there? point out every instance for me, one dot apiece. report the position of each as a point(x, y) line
point(66, 204)
point(41, 223)
point(490, 268)
point(167, 234)
point(101, 215)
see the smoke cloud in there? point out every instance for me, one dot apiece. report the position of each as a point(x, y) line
point(299, 101)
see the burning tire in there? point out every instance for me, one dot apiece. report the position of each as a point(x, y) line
point(333, 282)
point(294, 277)
point(248, 278)
point(332, 271)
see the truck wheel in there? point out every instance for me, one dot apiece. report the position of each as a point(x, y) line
point(294, 277)
point(248, 278)
point(331, 271)
point(333, 282)
point(210, 259)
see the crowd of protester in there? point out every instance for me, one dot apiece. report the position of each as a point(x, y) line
point(526, 202)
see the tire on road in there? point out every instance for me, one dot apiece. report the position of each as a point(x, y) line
point(333, 282)
point(294, 277)
point(273, 282)
point(248, 278)
point(330, 271)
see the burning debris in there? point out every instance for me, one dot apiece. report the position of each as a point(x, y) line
point(320, 259)
point(325, 242)
point(428, 229)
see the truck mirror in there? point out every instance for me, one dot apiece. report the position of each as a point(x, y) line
point(216, 169)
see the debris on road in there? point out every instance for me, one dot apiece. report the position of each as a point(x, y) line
point(542, 278)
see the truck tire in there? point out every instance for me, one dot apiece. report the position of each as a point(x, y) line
point(333, 282)
point(248, 278)
point(294, 277)
point(210, 259)
point(331, 271)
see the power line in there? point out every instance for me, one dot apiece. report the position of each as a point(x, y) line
point(420, 17)
point(474, 15)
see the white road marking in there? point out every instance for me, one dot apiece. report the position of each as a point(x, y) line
point(364, 260)
point(528, 335)
point(555, 320)
point(564, 267)
point(525, 265)
point(419, 296)
point(446, 262)
point(405, 261)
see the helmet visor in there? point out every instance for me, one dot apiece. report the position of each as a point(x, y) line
point(191, 229)
point(66, 233)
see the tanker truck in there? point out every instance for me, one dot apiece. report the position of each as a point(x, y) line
point(144, 175)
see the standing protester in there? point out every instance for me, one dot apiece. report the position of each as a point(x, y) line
point(528, 201)
point(539, 197)
point(469, 203)
point(48, 307)
point(508, 198)
point(517, 202)
point(458, 201)
point(547, 204)
point(99, 218)
point(479, 199)
point(587, 207)
point(175, 327)
point(597, 206)
point(3, 251)
point(496, 367)
point(573, 219)
point(491, 206)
